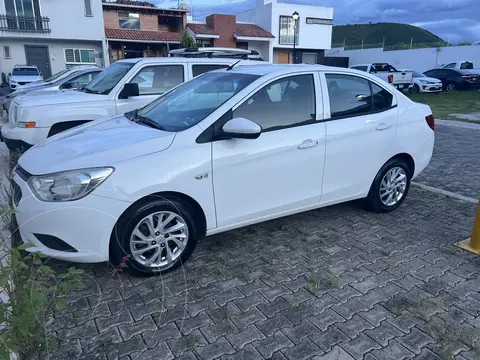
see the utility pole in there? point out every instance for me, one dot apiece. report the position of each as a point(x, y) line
point(362, 44)
point(411, 42)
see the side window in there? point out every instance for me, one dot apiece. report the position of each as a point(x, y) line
point(199, 69)
point(450, 66)
point(382, 99)
point(156, 80)
point(349, 95)
point(361, 68)
point(283, 103)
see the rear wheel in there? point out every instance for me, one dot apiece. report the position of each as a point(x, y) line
point(390, 187)
point(451, 87)
point(155, 237)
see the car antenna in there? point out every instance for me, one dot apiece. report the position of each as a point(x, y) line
point(233, 65)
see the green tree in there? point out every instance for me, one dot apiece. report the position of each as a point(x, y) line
point(186, 41)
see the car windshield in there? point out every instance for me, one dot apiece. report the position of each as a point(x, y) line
point(417, 74)
point(193, 101)
point(108, 78)
point(25, 72)
point(56, 76)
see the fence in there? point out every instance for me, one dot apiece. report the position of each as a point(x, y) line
point(410, 46)
point(37, 24)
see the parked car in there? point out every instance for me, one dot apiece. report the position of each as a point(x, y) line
point(58, 76)
point(23, 74)
point(455, 79)
point(462, 65)
point(401, 80)
point(225, 150)
point(422, 83)
point(122, 87)
point(75, 79)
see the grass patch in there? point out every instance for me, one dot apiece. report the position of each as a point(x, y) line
point(443, 104)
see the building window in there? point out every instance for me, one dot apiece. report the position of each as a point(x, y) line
point(88, 8)
point(204, 42)
point(80, 56)
point(319, 21)
point(287, 26)
point(6, 52)
point(27, 13)
point(129, 20)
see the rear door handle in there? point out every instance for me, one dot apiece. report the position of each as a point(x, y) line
point(308, 144)
point(382, 126)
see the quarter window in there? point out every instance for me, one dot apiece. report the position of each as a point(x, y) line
point(200, 69)
point(283, 103)
point(129, 20)
point(154, 80)
point(355, 96)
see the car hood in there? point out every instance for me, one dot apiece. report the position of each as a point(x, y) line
point(426, 78)
point(24, 89)
point(61, 97)
point(29, 79)
point(99, 143)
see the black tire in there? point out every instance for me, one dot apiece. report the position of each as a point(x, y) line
point(451, 87)
point(120, 242)
point(373, 201)
point(415, 89)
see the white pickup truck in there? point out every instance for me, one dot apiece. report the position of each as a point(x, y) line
point(462, 65)
point(401, 80)
point(124, 86)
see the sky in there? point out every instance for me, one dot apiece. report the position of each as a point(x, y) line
point(452, 20)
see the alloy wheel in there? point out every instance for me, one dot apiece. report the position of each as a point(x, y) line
point(393, 186)
point(159, 239)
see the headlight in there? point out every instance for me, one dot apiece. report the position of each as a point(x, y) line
point(68, 185)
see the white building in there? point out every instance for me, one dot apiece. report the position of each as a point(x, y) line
point(52, 34)
point(313, 30)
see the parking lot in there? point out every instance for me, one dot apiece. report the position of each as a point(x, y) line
point(335, 283)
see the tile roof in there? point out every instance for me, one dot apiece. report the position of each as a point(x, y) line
point(130, 3)
point(252, 30)
point(144, 35)
point(202, 29)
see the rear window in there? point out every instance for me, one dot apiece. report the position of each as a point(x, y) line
point(466, 65)
point(25, 72)
point(203, 68)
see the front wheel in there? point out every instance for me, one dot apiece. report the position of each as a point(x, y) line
point(451, 87)
point(390, 187)
point(415, 89)
point(155, 237)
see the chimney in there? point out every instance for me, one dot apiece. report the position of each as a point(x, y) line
point(225, 26)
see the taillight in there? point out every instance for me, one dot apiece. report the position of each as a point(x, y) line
point(390, 79)
point(430, 121)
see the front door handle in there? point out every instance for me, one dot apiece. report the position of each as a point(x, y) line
point(308, 144)
point(382, 126)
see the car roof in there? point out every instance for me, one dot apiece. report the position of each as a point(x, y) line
point(196, 60)
point(280, 69)
point(25, 67)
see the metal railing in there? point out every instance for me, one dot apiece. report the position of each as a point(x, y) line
point(33, 24)
point(409, 46)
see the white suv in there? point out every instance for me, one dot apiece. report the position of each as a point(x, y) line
point(23, 75)
point(122, 87)
point(228, 149)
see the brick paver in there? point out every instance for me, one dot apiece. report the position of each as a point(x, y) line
point(334, 283)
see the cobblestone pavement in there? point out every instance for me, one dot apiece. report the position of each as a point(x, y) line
point(455, 165)
point(337, 283)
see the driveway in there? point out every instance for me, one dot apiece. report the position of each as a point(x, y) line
point(338, 283)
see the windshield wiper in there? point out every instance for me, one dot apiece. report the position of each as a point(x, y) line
point(142, 119)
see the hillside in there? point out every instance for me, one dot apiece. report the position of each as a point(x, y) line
point(394, 34)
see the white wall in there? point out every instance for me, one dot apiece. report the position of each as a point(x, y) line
point(55, 50)
point(417, 59)
point(67, 20)
point(263, 48)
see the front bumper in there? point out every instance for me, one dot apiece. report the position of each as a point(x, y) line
point(22, 138)
point(85, 225)
point(430, 87)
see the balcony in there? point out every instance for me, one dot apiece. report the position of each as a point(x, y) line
point(29, 24)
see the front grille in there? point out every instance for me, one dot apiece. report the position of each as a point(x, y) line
point(25, 175)
point(21, 83)
point(17, 193)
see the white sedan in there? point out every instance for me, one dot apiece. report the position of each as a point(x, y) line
point(227, 149)
point(423, 83)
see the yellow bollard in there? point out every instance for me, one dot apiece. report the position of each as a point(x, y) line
point(473, 244)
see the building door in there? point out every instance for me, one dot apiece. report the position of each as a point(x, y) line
point(38, 55)
point(309, 58)
point(284, 57)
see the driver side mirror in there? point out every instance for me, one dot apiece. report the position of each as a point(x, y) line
point(242, 128)
point(67, 85)
point(129, 89)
